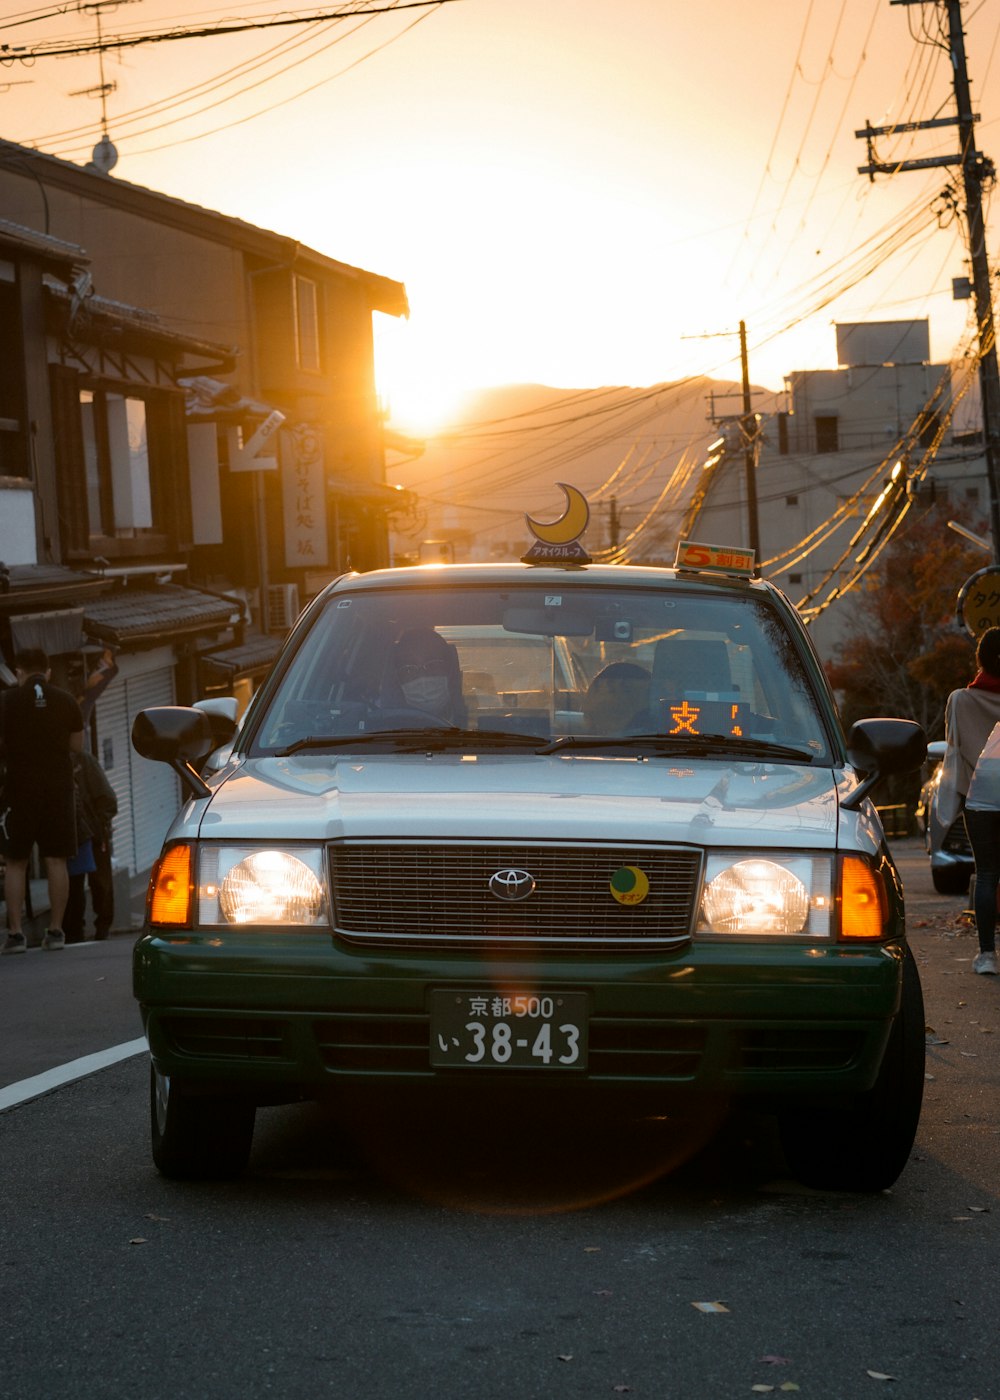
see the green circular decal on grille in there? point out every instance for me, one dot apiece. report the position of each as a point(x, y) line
point(629, 885)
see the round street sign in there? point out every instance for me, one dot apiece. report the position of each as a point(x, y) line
point(979, 601)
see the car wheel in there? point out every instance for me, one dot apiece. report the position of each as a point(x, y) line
point(206, 1136)
point(949, 880)
point(866, 1146)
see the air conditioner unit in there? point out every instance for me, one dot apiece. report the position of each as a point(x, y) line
point(282, 606)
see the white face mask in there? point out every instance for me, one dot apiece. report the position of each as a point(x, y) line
point(428, 693)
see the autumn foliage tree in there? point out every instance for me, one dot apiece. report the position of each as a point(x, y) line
point(905, 651)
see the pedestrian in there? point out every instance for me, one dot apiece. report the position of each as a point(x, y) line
point(970, 716)
point(96, 807)
point(41, 726)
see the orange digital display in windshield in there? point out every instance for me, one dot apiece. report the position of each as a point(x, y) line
point(707, 717)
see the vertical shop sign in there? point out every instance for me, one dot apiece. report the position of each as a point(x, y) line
point(304, 496)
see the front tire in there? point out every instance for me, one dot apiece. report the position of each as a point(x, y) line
point(866, 1146)
point(197, 1136)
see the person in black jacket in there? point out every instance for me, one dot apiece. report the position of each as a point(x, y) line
point(41, 726)
point(97, 806)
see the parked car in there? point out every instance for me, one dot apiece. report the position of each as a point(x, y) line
point(427, 870)
point(947, 843)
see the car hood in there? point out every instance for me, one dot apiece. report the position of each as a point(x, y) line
point(530, 797)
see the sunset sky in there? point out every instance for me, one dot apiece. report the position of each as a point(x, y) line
point(575, 192)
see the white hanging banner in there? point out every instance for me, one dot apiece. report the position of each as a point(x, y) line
point(303, 489)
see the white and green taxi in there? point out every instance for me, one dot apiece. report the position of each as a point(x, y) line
point(529, 828)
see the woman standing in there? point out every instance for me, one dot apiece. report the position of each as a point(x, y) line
point(970, 715)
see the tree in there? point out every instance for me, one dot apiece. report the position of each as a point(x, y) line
point(906, 650)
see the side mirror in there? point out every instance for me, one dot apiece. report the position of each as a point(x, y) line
point(177, 735)
point(879, 747)
point(222, 712)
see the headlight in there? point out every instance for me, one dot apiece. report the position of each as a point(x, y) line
point(248, 886)
point(763, 897)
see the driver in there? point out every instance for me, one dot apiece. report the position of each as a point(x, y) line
point(429, 677)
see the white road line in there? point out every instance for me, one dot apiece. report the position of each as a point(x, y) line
point(15, 1094)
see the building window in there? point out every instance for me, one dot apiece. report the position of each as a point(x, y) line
point(794, 578)
point(121, 467)
point(306, 323)
point(116, 464)
point(92, 458)
point(930, 427)
point(826, 433)
point(972, 493)
point(13, 451)
point(791, 500)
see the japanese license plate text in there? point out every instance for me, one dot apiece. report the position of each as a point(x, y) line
point(546, 1030)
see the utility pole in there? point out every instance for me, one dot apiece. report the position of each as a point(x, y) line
point(750, 437)
point(748, 425)
point(976, 170)
point(614, 522)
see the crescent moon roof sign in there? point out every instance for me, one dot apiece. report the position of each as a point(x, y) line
point(559, 540)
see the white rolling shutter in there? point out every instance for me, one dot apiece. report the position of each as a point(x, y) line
point(148, 793)
point(113, 756)
point(155, 787)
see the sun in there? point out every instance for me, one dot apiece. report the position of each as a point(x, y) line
point(421, 405)
point(418, 385)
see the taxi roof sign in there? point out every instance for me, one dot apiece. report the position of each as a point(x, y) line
point(714, 558)
point(558, 541)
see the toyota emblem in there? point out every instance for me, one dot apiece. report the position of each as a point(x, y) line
point(510, 885)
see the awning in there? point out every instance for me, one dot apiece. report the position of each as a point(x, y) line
point(49, 251)
point(208, 400)
point(250, 658)
point(55, 633)
point(138, 617)
point(101, 321)
point(371, 493)
point(37, 587)
point(402, 442)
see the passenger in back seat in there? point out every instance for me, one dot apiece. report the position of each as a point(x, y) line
point(617, 701)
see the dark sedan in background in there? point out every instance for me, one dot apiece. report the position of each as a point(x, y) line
point(947, 844)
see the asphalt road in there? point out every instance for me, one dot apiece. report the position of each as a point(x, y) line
point(495, 1257)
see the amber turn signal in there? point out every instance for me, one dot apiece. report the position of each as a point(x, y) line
point(863, 903)
point(170, 887)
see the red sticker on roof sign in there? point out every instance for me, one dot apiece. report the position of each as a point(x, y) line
point(724, 558)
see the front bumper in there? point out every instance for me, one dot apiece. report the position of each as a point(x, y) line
point(295, 1014)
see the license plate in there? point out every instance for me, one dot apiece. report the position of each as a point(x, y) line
point(484, 1030)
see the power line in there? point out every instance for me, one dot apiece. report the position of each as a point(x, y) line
point(24, 54)
point(292, 97)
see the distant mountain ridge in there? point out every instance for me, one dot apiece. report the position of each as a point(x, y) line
point(511, 444)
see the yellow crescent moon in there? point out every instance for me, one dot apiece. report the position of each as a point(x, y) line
point(629, 885)
point(570, 525)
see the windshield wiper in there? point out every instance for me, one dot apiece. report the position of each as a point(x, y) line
point(433, 737)
point(456, 738)
point(340, 741)
point(697, 745)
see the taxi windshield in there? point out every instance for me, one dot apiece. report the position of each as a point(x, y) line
point(514, 664)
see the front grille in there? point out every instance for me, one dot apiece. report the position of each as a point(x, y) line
point(956, 841)
point(377, 1044)
point(802, 1048)
point(408, 891)
point(644, 1049)
point(225, 1037)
